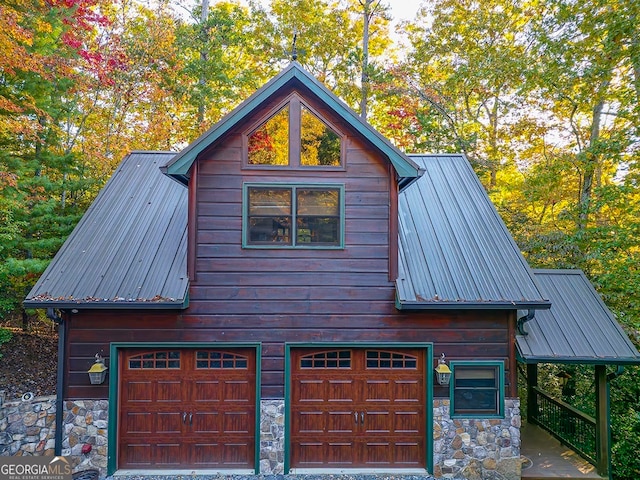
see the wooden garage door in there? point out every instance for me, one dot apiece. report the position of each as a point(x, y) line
point(187, 409)
point(358, 408)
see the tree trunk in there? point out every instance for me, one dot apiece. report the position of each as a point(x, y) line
point(364, 79)
point(204, 16)
point(590, 168)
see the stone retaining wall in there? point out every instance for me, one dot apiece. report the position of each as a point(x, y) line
point(27, 428)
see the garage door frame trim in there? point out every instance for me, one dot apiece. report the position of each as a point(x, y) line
point(427, 346)
point(114, 351)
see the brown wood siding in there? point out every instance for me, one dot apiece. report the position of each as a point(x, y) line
point(482, 335)
point(276, 296)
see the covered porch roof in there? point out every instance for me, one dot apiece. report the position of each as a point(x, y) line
point(578, 328)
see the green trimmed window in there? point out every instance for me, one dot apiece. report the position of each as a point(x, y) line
point(477, 389)
point(303, 216)
point(294, 136)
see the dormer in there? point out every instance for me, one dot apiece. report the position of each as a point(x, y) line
point(299, 115)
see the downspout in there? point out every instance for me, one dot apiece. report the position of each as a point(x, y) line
point(524, 319)
point(51, 314)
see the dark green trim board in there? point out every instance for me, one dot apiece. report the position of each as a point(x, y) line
point(293, 186)
point(479, 364)
point(115, 347)
point(427, 346)
point(293, 75)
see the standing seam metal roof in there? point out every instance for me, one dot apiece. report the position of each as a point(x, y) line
point(128, 249)
point(578, 328)
point(455, 251)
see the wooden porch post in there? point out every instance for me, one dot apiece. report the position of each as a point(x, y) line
point(532, 398)
point(602, 421)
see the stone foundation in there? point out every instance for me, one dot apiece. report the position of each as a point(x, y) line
point(476, 449)
point(272, 437)
point(466, 449)
point(85, 426)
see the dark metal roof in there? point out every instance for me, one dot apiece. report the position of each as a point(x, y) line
point(129, 250)
point(179, 166)
point(454, 249)
point(579, 328)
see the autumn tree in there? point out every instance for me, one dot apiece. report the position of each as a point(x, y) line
point(44, 187)
point(464, 69)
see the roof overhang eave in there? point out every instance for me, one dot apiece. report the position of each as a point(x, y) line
point(462, 305)
point(566, 360)
point(179, 304)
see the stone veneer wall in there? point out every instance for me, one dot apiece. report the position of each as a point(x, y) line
point(475, 449)
point(272, 437)
point(27, 428)
point(85, 425)
point(463, 448)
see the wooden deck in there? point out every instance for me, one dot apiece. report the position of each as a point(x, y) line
point(546, 457)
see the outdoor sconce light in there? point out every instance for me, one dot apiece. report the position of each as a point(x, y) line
point(443, 372)
point(98, 371)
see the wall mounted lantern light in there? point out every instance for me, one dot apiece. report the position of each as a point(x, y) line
point(98, 371)
point(443, 372)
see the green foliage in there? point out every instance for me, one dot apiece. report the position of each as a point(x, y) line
point(625, 424)
point(5, 336)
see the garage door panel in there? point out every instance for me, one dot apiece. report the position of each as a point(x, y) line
point(208, 391)
point(168, 455)
point(187, 408)
point(168, 391)
point(378, 391)
point(236, 453)
point(206, 454)
point(237, 422)
point(309, 422)
point(408, 391)
point(341, 422)
point(310, 454)
point(377, 422)
point(168, 422)
point(408, 422)
point(340, 391)
point(310, 391)
point(340, 453)
point(138, 392)
point(409, 453)
point(139, 422)
point(237, 391)
point(206, 422)
point(138, 455)
point(371, 413)
point(377, 454)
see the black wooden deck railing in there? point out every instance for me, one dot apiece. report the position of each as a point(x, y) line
point(569, 425)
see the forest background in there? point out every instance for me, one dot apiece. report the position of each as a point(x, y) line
point(541, 95)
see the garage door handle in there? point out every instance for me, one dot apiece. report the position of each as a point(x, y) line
point(361, 418)
point(184, 417)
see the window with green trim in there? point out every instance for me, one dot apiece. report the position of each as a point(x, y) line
point(477, 389)
point(293, 216)
point(294, 136)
